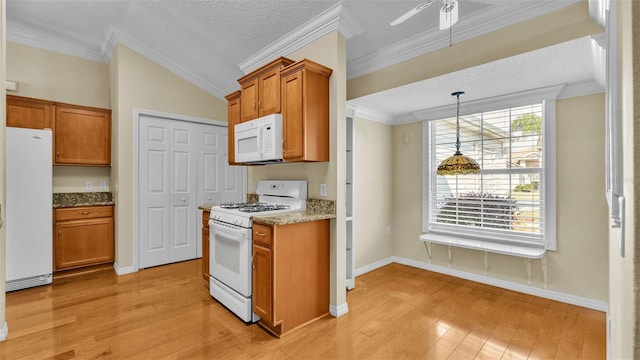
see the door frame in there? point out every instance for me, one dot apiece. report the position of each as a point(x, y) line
point(137, 113)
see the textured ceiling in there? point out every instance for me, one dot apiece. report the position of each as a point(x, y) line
point(213, 42)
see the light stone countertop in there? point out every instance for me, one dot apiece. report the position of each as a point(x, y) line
point(292, 218)
point(317, 209)
point(206, 207)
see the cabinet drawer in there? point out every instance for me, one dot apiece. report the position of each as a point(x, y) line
point(84, 212)
point(262, 235)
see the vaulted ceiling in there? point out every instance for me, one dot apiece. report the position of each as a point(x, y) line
point(213, 42)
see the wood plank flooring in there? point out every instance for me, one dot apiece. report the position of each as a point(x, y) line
point(395, 312)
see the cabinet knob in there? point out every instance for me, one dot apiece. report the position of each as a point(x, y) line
point(184, 200)
point(57, 153)
point(84, 213)
point(254, 106)
point(260, 234)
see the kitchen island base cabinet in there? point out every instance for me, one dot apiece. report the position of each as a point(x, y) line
point(290, 274)
point(83, 236)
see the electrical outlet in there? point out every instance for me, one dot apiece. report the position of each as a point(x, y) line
point(103, 185)
point(89, 185)
point(323, 189)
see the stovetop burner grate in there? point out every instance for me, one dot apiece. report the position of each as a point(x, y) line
point(254, 207)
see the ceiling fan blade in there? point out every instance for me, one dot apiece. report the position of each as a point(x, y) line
point(411, 12)
point(448, 14)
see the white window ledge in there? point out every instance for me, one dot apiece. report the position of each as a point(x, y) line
point(526, 252)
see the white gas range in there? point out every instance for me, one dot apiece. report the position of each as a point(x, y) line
point(230, 242)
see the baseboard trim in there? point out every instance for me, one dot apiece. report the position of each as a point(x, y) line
point(123, 270)
point(4, 332)
point(509, 285)
point(376, 265)
point(337, 311)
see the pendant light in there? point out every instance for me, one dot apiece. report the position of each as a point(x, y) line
point(458, 164)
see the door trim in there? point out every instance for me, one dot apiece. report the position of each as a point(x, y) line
point(137, 113)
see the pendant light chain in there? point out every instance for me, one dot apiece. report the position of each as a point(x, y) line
point(457, 94)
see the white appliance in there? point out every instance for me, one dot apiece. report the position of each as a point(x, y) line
point(28, 215)
point(259, 141)
point(231, 243)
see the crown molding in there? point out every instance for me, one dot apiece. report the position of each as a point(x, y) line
point(473, 25)
point(491, 103)
point(347, 25)
point(351, 110)
point(373, 115)
point(334, 18)
point(115, 37)
point(580, 89)
point(59, 47)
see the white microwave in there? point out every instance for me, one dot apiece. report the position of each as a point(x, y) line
point(259, 141)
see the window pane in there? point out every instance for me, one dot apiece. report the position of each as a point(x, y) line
point(506, 195)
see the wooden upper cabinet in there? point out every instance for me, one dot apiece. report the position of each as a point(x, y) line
point(82, 135)
point(29, 113)
point(233, 118)
point(260, 90)
point(305, 111)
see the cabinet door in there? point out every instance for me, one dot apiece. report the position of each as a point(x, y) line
point(205, 250)
point(29, 113)
point(82, 136)
point(233, 118)
point(263, 283)
point(293, 116)
point(83, 242)
point(269, 93)
point(249, 100)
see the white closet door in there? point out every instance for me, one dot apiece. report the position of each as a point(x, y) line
point(232, 176)
point(154, 191)
point(183, 198)
point(181, 165)
point(210, 157)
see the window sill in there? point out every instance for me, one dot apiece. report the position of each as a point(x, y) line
point(513, 250)
point(486, 247)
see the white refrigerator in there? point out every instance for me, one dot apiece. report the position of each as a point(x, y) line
point(28, 214)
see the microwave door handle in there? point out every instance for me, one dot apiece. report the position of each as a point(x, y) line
point(260, 147)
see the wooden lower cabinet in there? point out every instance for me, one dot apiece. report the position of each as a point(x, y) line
point(205, 245)
point(83, 236)
point(290, 274)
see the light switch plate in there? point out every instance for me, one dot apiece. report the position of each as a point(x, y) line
point(323, 189)
point(103, 185)
point(89, 185)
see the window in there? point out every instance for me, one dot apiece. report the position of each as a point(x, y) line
point(512, 200)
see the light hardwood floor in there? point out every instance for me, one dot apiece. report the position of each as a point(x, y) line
point(395, 312)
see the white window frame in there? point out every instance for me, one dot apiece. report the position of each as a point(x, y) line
point(545, 95)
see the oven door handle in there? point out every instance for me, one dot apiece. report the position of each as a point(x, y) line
point(239, 233)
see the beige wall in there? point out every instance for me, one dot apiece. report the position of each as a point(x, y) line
point(623, 272)
point(137, 82)
point(579, 267)
point(372, 168)
point(49, 75)
point(330, 51)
